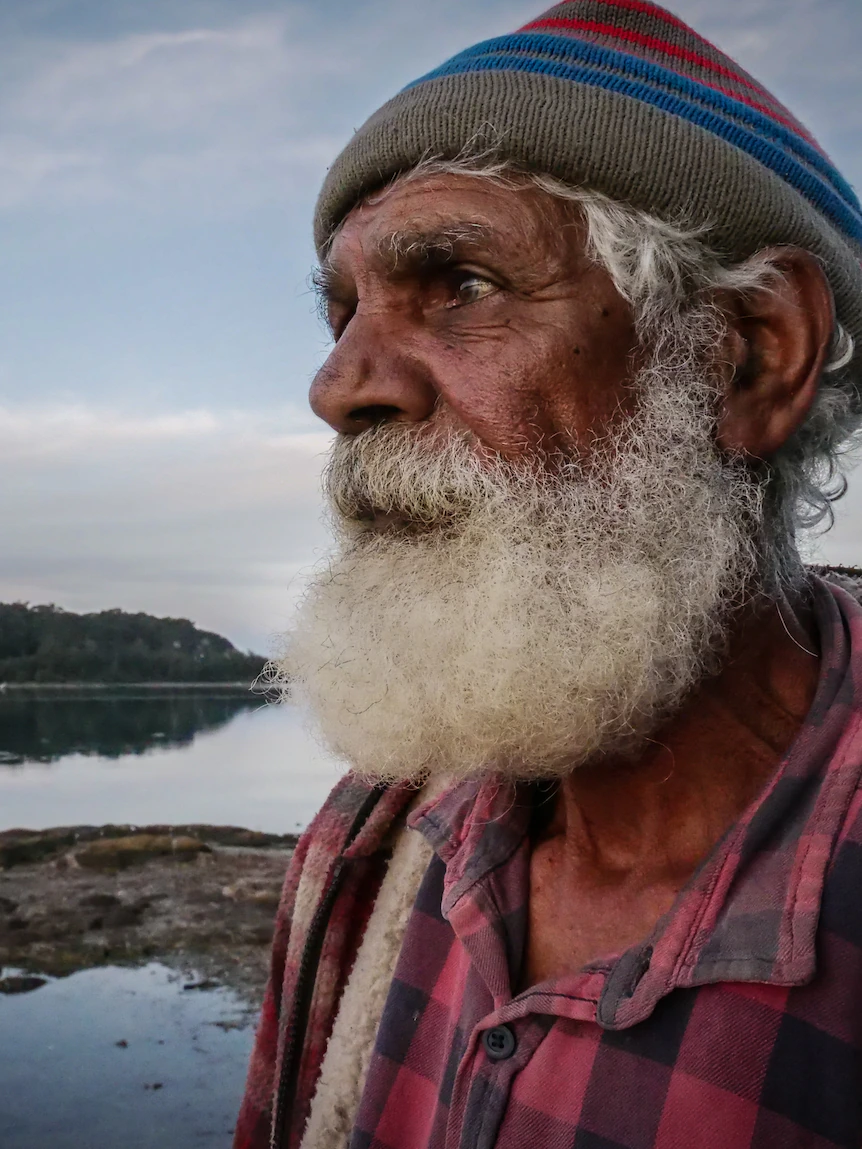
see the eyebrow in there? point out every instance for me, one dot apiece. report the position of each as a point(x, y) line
point(403, 252)
point(418, 246)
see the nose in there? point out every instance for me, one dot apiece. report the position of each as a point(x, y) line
point(370, 378)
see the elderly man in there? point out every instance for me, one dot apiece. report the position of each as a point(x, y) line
point(595, 879)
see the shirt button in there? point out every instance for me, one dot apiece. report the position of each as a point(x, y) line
point(499, 1042)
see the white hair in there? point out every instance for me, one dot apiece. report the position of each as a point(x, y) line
point(666, 271)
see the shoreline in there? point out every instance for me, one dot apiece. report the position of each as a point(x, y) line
point(81, 897)
point(5, 687)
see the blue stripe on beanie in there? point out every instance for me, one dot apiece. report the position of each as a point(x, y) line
point(786, 153)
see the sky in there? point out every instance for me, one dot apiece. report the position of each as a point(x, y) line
point(159, 163)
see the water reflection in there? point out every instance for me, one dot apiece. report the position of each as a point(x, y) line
point(127, 1057)
point(45, 726)
point(217, 758)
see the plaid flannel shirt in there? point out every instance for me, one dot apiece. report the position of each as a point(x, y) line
point(737, 1023)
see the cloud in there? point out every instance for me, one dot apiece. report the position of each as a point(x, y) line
point(190, 117)
point(224, 116)
point(207, 515)
point(171, 114)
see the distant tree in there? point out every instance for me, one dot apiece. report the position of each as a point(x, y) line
point(49, 644)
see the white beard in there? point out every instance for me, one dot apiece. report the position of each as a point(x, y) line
point(535, 617)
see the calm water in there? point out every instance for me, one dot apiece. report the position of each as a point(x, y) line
point(175, 1083)
point(139, 757)
point(157, 757)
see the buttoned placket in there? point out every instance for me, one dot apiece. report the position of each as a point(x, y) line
point(484, 1078)
point(491, 1061)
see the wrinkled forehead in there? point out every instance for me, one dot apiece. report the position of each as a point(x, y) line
point(439, 215)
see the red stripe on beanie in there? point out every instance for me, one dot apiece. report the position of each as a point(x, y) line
point(663, 47)
point(647, 9)
point(642, 39)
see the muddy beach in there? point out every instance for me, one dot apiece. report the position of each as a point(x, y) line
point(133, 962)
point(194, 897)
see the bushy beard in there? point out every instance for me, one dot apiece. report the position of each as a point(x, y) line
point(523, 619)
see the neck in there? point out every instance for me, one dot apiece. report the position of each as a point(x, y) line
point(654, 818)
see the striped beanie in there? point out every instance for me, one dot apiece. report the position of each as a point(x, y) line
point(622, 97)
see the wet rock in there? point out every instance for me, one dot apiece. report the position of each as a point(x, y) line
point(251, 891)
point(258, 935)
point(229, 836)
point(19, 847)
point(100, 901)
point(119, 853)
point(21, 984)
point(51, 959)
point(207, 983)
point(7, 906)
point(122, 916)
point(23, 847)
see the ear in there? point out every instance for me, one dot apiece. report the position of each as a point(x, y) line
point(778, 341)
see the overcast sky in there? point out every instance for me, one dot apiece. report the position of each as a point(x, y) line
point(158, 166)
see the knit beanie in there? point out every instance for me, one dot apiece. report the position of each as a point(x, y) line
point(622, 97)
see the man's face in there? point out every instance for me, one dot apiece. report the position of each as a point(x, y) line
point(542, 578)
point(474, 307)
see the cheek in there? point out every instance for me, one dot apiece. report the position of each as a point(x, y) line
point(505, 410)
point(523, 395)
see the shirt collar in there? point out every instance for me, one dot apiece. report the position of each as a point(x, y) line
point(475, 826)
point(750, 912)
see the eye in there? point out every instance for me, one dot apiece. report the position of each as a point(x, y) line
point(468, 287)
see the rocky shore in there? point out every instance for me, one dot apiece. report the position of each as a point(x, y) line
point(199, 898)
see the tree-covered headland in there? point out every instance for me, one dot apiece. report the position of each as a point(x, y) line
point(49, 644)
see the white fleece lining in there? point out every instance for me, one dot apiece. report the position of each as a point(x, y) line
point(348, 1053)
